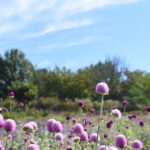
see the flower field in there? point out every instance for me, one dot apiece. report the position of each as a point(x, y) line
point(113, 130)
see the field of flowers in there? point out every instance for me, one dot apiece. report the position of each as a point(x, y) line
point(110, 131)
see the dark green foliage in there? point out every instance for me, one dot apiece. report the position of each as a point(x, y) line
point(24, 91)
point(19, 75)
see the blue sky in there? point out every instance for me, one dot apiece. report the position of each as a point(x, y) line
point(77, 33)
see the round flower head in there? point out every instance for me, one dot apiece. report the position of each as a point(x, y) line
point(78, 128)
point(10, 125)
point(137, 144)
point(1, 147)
point(130, 116)
point(148, 108)
point(67, 117)
point(92, 110)
point(114, 107)
point(59, 136)
point(50, 123)
point(76, 139)
point(81, 103)
point(83, 136)
point(109, 124)
point(10, 137)
point(134, 116)
point(1, 121)
point(102, 88)
point(120, 141)
point(57, 126)
point(125, 103)
point(141, 123)
point(74, 120)
point(94, 137)
point(105, 135)
point(116, 113)
point(21, 104)
point(12, 94)
point(33, 147)
point(34, 124)
point(30, 126)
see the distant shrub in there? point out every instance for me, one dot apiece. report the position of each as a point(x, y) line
point(45, 103)
point(24, 91)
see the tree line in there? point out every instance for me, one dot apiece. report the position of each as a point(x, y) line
point(18, 74)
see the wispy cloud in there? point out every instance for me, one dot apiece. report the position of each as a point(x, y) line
point(5, 28)
point(52, 15)
point(59, 26)
point(80, 42)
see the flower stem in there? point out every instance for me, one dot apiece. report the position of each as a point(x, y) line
point(100, 114)
point(6, 142)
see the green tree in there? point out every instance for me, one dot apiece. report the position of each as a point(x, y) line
point(140, 91)
point(14, 67)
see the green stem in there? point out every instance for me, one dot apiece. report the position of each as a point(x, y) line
point(100, 114)
point(10, 105)
point(124, 110)
point(6, 142)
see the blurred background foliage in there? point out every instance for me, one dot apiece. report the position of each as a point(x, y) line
point(60, 89)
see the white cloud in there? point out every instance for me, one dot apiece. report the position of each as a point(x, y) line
point(65, 25)
point(5, 28)
point(58, 46)
point(72, 7)
point(54, 14)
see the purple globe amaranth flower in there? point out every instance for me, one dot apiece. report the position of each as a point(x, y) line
point(116, 113)
point(109, 124)
point(12, 94)
point(61, 144)
point(32, 141)
point(30, 126)
point(21, 104)
point(70, 135)
point(102, 88)
point(92, 110)
point(134, 116)
point(141, 123)
point(148, 108)
point(10, 137)
point(80, 103)
point(120, 141)
point(34, 124)
point(125, 103)
point(10, 125)
point(26, 139)
point(83, 136)
point(59, 136)
point(78, 128)
point(130, 116)
point(1, 121)
point(33, 147)
point(94, 137)
point(57, 126)
point(50, 123)
point(137, 144)
point(105, 135)
point(1, 147)
point(84, 122)
point(126, 126)
point(67, 117)
point(114, 107)
point(74, 120)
